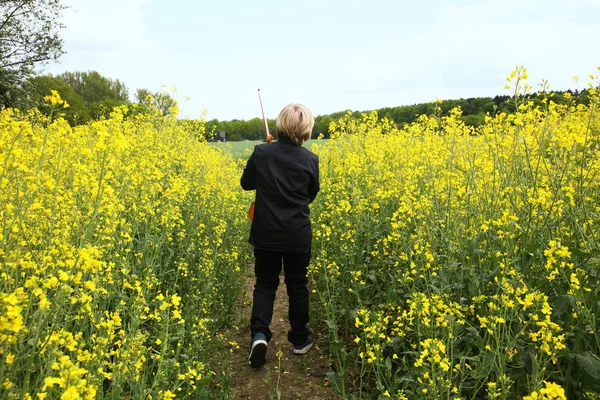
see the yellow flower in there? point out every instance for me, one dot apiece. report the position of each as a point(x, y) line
point(71, 394)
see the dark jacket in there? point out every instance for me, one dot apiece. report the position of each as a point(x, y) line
point(286, 179)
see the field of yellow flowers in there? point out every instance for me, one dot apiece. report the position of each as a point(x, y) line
point(120, 256)
point(460, 263)
point(449, 262)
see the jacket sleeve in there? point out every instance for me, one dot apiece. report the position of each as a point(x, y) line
point(314, 185)
point(248, 180)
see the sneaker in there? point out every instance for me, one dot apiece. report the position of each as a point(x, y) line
point(258, 352)
point(303, 348)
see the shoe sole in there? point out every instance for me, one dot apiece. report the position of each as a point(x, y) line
point(258, 354)
point(303, 350)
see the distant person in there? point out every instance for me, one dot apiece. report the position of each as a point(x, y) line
point(285, 176)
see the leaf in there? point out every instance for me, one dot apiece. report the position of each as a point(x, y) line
point(588, 362)
point(388, 364)
point(474, 285)
point(562, 307)
point(533, 247)
point(491, 275)
point(373, 278)
point(531, 363)
point(580, 253)
point(331, 324)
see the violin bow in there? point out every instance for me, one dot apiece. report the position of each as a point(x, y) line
point(269, 136)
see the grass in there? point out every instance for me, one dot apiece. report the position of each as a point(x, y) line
point(244, 148)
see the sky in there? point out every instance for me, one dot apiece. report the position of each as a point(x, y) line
point(330, 55)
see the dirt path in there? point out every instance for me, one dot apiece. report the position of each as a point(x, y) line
point(294, 377)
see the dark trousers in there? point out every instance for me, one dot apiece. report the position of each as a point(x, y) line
point(267, 269)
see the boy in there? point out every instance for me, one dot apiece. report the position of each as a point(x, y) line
point(285, 176)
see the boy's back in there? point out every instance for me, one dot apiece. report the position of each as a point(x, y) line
point(286, 179)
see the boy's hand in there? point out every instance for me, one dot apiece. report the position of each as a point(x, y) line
point(269, 138)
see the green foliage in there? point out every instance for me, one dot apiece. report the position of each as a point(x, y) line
point(102, 109)
point(161, 101)
point(238, 129)
point(11, 89)
point(94, 88)
point(40, 86)
point(89, 95)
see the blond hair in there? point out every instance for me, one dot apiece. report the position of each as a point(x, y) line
point(295, 121)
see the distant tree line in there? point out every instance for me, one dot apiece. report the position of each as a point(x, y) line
point(474, 111)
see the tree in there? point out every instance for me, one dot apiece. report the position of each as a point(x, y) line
point(143, 96)
point(11, 90)
point(29, 35)
point(95, 88)
point(162, 101)
point(40, 86)
point(100, 94)
point(165, 103)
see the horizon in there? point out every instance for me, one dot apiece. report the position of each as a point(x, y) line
point(533, 93)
